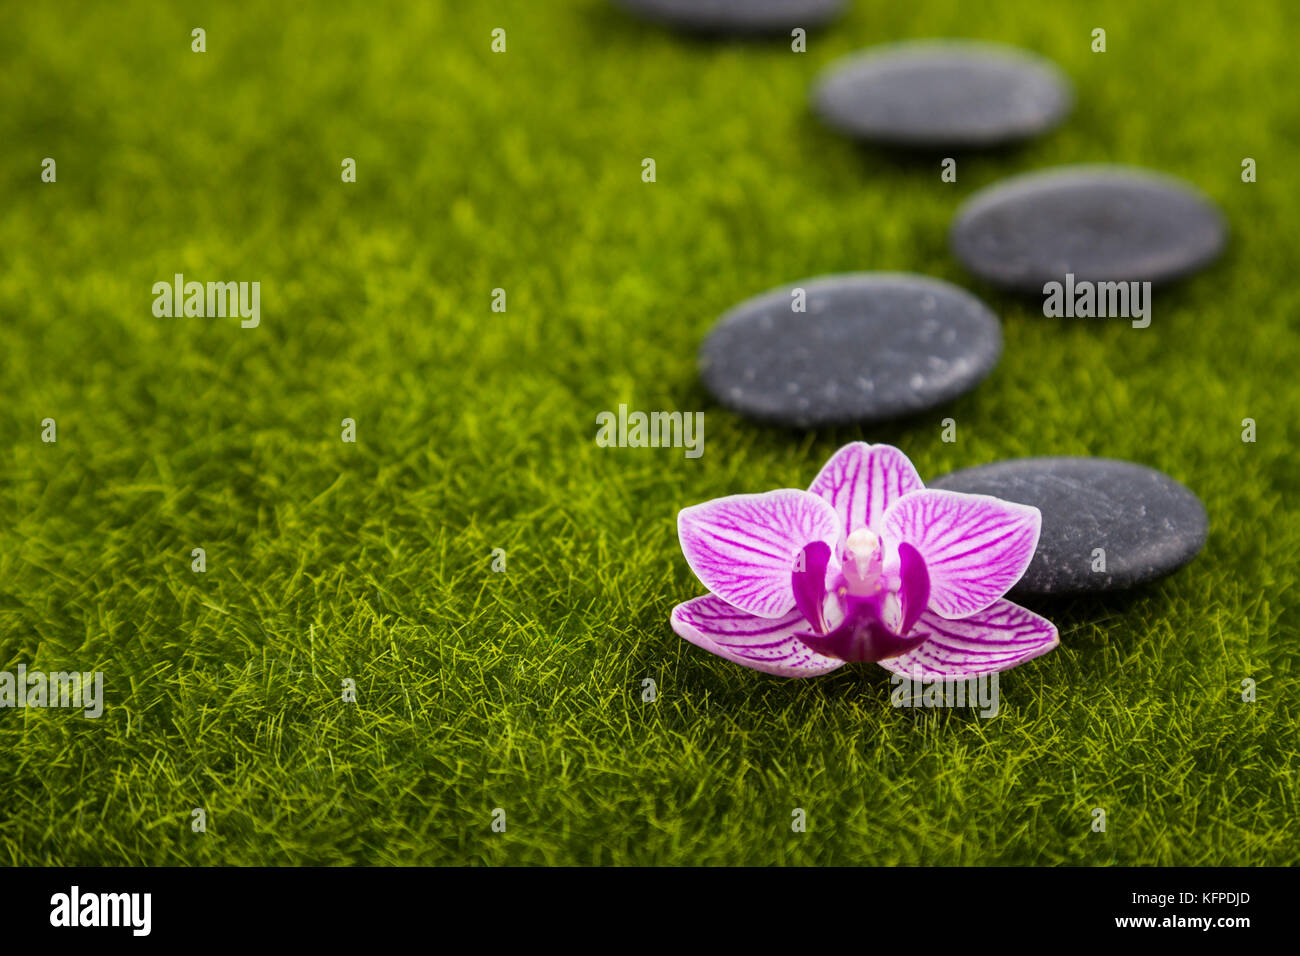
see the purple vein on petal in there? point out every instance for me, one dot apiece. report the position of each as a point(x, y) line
point(743, 547)
point(763, 644)
point(862, 480)
point(995, 639)
point(975, 547)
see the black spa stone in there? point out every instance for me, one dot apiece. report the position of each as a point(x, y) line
point(736, 16)
point(1101, 223)
point(939, 94)
point(1144, 523)
point(868, 347)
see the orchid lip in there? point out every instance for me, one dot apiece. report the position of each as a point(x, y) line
point(861, 636)
point(872, 626)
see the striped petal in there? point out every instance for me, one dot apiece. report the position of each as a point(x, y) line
point(761, 643)
point(861, 481)
point(975, 547)
point(996, 639)
point(744, 548)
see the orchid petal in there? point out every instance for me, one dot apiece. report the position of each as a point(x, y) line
point(975, 547)
point(808, 580)
point(914, 595)
point(994, 639)
point(861, 481)
point(761, 643)
point(744, 547)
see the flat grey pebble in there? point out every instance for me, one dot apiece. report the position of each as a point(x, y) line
point(736, 16)
point(1146, 522)
point(1102, 223)
point(869, 347)
point(943, 93)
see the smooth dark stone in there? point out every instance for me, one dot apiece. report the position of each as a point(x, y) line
point(871, 346)
point(1147, 523)
point(939, 94)
point(736, 16)
point(1102, 223)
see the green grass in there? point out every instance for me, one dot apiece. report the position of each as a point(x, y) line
point(476, 431)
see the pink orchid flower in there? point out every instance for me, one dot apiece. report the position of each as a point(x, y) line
point(866, 565)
